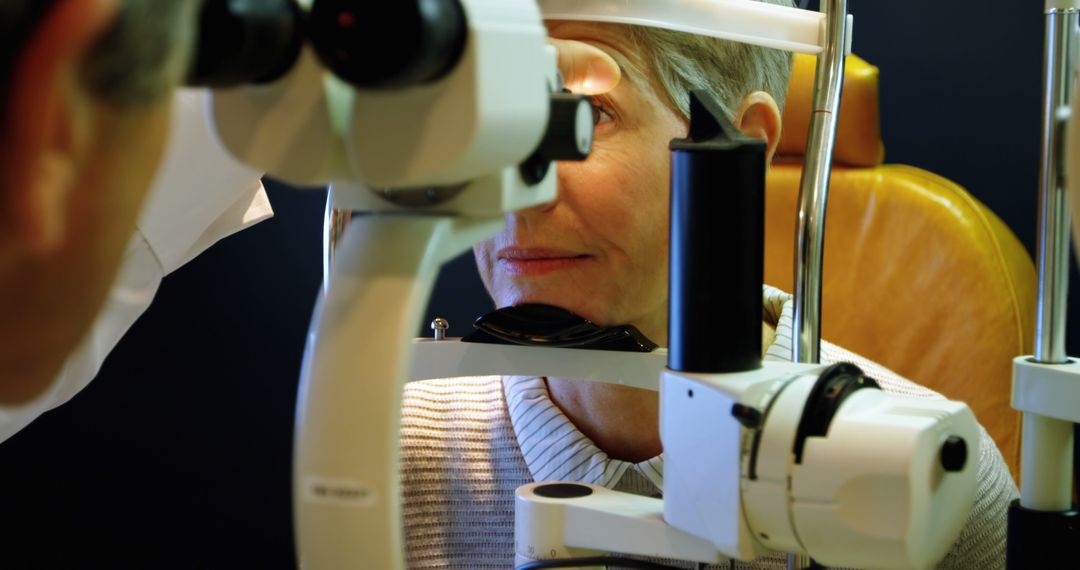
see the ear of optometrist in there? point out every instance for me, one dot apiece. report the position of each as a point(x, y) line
point(586, 69)
point(46, 141)
point(199, 196)
point(49, 125)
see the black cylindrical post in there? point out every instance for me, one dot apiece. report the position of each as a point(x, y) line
point(1034, 536)
point(717, 245)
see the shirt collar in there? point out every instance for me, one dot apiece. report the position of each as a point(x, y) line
point(555, 450)
point(778, 311)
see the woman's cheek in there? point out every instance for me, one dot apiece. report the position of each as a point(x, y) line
point(484, 254)
point(619, 205)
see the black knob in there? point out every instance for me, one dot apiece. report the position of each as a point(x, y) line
point(245, 41)
point(749, 417)
point(954, 454)
point(403, 43)
point(569, 135)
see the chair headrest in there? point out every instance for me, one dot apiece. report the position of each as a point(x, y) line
point(858, 132)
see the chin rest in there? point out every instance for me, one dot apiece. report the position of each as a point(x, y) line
point(535, 324)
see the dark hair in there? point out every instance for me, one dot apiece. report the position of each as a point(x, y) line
point(140, 56)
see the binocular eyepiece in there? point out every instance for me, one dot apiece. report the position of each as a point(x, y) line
point(403, 43)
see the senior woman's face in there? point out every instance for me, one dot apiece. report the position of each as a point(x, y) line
point(601, 249)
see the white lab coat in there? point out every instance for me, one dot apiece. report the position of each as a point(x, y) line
point(200, 195)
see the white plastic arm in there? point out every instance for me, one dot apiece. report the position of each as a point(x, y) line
point(756, 23)
point(452, 358)
point(346, 457)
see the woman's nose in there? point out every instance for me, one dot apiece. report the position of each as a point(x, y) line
point(568, 178)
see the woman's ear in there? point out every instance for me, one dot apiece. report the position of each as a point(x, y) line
point(759, 117)
point(48, 123)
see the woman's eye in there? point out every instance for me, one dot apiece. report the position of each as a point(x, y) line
point(600, 114)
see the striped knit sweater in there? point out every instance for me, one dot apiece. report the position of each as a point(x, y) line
point(461, 463)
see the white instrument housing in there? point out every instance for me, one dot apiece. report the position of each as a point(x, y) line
point(490, 111)
point(872, 493)
point(461, 137)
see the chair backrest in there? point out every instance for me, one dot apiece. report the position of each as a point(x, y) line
point(918, 275)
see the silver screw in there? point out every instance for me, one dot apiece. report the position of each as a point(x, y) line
point(440, 326)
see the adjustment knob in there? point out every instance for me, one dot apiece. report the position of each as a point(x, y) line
point(440, 326)
point(569, 135)
point(954, 454)
point(750, 418)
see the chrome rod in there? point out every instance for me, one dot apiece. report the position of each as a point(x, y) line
point(813, 197)
point(1052, 257)
point(814, 189)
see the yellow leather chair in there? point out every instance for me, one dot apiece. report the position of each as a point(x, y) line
point(918, 275)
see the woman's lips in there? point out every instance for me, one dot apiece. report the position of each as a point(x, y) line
point(538, 261)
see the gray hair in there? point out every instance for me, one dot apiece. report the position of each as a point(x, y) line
point(143, 54)
point(682, 62)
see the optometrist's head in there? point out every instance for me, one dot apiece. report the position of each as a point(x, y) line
point(601, 249)
point(84, 109)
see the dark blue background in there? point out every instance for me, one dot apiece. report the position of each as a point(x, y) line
point(178, 454)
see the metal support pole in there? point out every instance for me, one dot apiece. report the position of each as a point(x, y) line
point(813, 196)
point(1045, 483)
point(1053, 260)
point(1043, 523)
point(814, 189)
